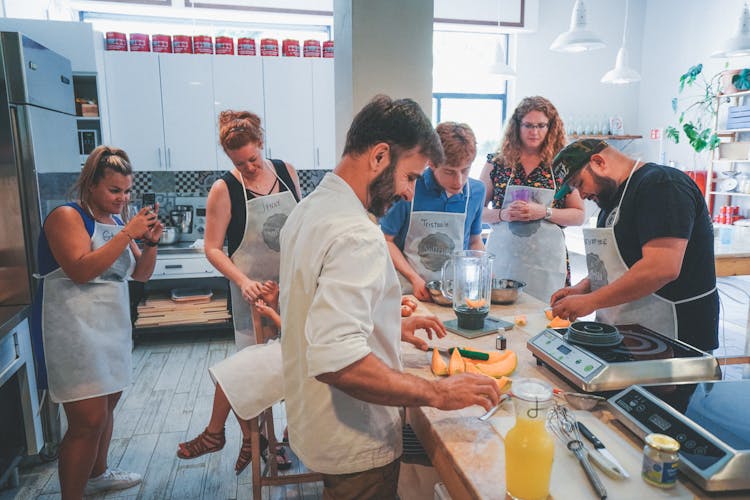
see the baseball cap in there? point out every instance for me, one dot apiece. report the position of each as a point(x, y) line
point(573, 158)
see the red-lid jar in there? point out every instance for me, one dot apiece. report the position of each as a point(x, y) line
point(224, 45)
point(114, 40)
point(203, 44)
point(246, 46)
point(182, 44)
point(328, 49)
point(311, 48)
point(290, 48)
point(161, 43)
point(269, 47)
point(139, 42)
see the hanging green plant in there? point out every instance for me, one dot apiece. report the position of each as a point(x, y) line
point(742, 80)
point(696, 119)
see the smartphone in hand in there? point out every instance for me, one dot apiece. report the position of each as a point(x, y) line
point(149, 200)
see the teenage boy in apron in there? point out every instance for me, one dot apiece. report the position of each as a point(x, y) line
point(651, 256)
point(444, 216)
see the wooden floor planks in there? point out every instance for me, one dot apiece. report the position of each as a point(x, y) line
point(169, 402)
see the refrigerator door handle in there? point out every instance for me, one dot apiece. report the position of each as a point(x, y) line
point(158, 153)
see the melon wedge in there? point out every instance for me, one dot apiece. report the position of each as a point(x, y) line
point(501, 368)
point(456, 363)
point(495, 357)
point(439, 367)
point(503, 383)
point(548, 313)
point(558, 322)
point(470, 367)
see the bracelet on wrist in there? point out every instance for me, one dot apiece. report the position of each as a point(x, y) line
point(150, 243)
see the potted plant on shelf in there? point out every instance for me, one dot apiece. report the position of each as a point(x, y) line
point(696, 118)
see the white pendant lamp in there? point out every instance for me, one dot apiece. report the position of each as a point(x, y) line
point(739, 44)
point(500, 66)
point(578, 38)
point(622, 73)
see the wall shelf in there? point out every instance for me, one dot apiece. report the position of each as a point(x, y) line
point(729, 193)
point(576, 137)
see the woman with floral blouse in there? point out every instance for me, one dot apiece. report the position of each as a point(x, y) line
point(527, 237)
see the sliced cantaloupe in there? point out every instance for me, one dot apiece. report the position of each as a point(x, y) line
point(470, 367)
point(558, 322)
point(520, 320)
point(439, 367)
point(494, 357)
point(502, 368)
point(456, 363)
point(504, 383)
point(548, 313)
point(475, 303)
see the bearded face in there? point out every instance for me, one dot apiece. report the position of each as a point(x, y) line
point(607, 191)
point(382, 190)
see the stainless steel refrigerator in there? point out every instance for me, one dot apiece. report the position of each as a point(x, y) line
point(37, 132)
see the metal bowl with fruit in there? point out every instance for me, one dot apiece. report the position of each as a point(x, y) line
point(435, 288)
point(505, 291)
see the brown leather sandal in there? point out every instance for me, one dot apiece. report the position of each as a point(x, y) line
point(206, 442)
point(245, 456)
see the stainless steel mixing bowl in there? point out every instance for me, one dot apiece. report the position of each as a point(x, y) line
point(436, 292)
point(505, 291)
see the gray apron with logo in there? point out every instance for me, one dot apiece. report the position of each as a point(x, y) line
point(86, 328)
point(532, 252)
point(605, 265)
point(258, 254)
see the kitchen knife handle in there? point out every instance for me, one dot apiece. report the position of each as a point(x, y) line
point(466, 353)
point(590, 436)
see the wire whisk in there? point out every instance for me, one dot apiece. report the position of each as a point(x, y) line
point(562, 423)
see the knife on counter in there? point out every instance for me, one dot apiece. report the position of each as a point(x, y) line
point(465, 353)
point(599, 446)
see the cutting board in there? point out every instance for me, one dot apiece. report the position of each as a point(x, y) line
point(570, 481)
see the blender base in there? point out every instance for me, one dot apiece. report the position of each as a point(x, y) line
point(491, 325)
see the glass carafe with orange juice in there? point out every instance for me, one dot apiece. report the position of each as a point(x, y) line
point(529, 448)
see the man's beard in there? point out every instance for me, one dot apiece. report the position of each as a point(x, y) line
point(607, 196)
point(381, 190)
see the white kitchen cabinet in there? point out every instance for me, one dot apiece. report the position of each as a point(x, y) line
point(324, 113)
point(160, 109)
point(287, 86)
point(188, 106)
point(134, 107)
point(238, 85)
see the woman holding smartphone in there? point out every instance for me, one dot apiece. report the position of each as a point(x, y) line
point(82, 321)
point(247, 207)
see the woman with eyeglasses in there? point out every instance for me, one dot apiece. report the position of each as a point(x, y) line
point(526, 236)
point(81, 325)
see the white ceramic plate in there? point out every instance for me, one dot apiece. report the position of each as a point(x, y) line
point(728, 185)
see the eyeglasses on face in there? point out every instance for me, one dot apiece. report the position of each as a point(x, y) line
point(532, 126)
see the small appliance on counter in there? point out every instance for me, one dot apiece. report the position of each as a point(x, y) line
point(631, 354)
point(708, 419)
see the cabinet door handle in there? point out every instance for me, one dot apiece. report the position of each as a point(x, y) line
point(317, 157)
point(173, 266)
point(158, 150)
point(169, 158)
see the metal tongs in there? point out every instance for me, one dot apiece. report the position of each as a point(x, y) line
point(562, 423)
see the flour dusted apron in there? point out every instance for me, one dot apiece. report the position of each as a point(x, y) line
point(532, 252)
point(605, 265)
point(86, 328)
point(258, 254)
point(431, 239)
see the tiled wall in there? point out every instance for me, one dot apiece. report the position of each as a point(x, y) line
point(54, 188)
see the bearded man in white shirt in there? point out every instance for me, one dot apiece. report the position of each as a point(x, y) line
point(340, 303)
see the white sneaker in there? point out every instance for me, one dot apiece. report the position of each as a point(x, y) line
point(112, 479)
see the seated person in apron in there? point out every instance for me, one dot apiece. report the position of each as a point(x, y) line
point(444, 216)
point(650, 257)
point(526, 237)
point(81, 326)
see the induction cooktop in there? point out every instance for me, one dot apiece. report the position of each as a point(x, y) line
point(709, 419)
point(642, 357)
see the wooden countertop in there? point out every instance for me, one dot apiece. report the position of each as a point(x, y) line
point(468, 454)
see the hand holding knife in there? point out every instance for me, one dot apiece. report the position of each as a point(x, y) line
point(610, 463)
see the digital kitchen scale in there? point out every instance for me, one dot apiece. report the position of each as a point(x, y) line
point(643, 357)
point(491, 325)
point(709, 419)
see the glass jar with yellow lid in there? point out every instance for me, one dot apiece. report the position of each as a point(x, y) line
point(660, 460)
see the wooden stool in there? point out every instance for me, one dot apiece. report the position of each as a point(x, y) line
point(270, 474)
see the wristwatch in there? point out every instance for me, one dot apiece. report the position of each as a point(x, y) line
point(548, 215)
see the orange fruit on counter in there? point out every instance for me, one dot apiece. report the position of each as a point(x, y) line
point(475, 303)
point(438, 365)
point(558, 322)
point(456, 363)
point(502, 368)
point(520, 320)
point(548, 313)
point(406, 311)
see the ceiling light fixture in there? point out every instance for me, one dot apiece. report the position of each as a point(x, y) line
point(578, 38)
point(501, 66)
point(622, 73)
point(739, 44)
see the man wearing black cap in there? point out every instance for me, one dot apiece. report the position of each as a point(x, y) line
point(651, 256)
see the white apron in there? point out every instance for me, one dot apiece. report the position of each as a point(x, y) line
point(605, 265)
point(86, 328)
point(532, 252)
point(258, 254)
point(431, 239)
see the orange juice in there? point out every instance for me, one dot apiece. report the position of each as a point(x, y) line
point(529, 451)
